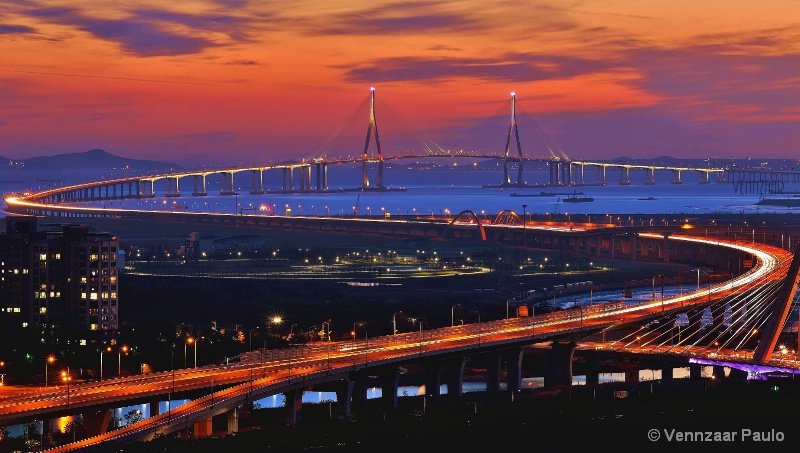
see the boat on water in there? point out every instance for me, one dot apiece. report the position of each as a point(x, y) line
point(543, 194)
point(574, 198)
point(648, 198)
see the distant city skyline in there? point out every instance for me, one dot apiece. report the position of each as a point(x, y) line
point(235, 81)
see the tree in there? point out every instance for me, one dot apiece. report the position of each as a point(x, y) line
point(133, 417)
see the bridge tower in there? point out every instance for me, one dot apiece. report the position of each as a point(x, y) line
point(513, 130)
point(373, 126)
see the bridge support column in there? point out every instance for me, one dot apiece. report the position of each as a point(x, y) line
point(202, 428)
point(257, 182)
point(592, 370)
point(513, 369)
point(665, 248)
point(199, 186)
point(695, 372)
point(493, 369)
point(455, 378)
point(558, 364)
point(228, 187)
point(302, 185)
point(433, 379)
point(667, 373)
point(632, 246)
point(631, 376)
point(293, 409)
point(96, 421)
point(390, 380)
point(359, 398)
point(154, 409)
point(233, 420)
point(307, 171)
point(172, 188)
point(344, 397)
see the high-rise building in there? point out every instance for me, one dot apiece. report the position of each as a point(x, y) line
point(59, 277)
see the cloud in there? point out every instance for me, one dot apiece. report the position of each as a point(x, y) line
point(152, 32)
point(509, 67)
point(6, 29)
point(397, 18)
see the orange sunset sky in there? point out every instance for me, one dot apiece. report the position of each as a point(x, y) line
point(230, 81)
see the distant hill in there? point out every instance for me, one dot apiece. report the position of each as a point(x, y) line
point(95, 159)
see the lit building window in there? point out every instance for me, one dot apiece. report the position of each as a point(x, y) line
point(16, 309)
point(57, 256)
point(93, 327)
point(93, 296)
point(83, 279)
point(42, 310)
point(43, 256)
point(83, 295)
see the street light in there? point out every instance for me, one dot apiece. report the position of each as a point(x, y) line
point(251, 337)
point(394, 323)
point(452, 315)
point(189, 341)
point(50, 359)
point(108, 349)
point(119, 363)
point(65, 377)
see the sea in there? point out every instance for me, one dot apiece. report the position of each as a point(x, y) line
point(437, 191)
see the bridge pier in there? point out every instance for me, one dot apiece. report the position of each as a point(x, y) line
point(293, 408)
point(202, 428)
point(96, 421)
point(233, 420)
point(257, 182)
point(199, 186)
point(592, 364)
point(390, 379)
point(227, 184)
point(344, 396)
point(172, 187)
point(558, 364)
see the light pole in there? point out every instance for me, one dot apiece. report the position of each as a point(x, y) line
point(394, 324)
point(251, 337)
point(119, 363)
point(189, 341)
point(452, 315)
point(50, 359)
point(524, 208)
point(65, 377)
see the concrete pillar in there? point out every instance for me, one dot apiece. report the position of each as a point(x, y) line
point(493, 368)
point(202, 428)
point(433, 379)
point(558, 364)
point(455, 378)
point(389, 383)
point(631, 376)
point(154, 408)
point(667, 373)
point(344, 396)
point(294, 407)
point(96, 421)
point(233, 420)
point(695, 372)
point(513, 369)
point(592, 370)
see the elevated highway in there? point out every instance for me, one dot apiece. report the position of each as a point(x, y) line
point(752, 298)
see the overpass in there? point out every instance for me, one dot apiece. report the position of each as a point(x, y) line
point(748, 313)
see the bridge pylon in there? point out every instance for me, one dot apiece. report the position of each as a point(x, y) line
point(513, 130)
point(372, 127)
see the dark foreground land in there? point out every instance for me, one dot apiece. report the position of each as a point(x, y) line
point(566, 420)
